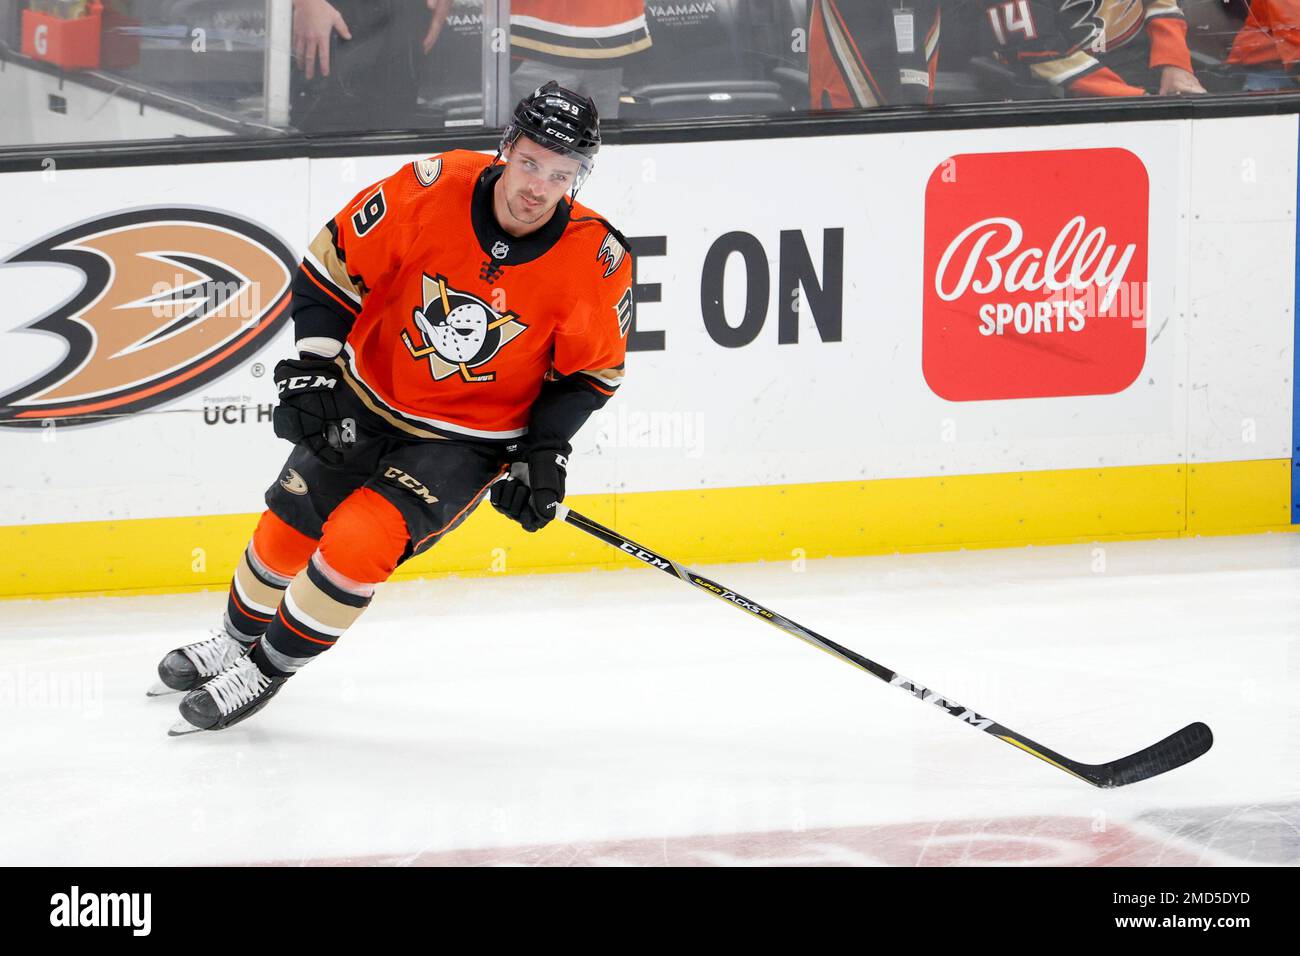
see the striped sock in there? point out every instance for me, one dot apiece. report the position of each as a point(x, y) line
point(318, 607)
point(255, 593)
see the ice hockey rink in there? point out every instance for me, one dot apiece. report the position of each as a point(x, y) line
point(620, 718)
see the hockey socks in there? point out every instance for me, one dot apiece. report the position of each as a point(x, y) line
point(275, 554)
point(255, 593)
point(318, 606)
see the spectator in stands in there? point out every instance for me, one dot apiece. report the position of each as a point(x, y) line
point(584, 44)
point(367, 78)
point(1095, 47)
point(872, 53)
point(1268, 45)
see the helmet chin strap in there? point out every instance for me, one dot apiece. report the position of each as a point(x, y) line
point(577, 184)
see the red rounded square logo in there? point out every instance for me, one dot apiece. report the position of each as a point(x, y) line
point(1035, 274)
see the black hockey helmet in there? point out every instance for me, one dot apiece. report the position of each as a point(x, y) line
point(561, 120)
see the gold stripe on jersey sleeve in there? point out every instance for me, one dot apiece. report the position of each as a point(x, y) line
point(581, 53)
point(609, 377)
point(327, 257)
point(1062, 71)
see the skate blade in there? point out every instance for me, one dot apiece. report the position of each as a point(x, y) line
point(159, 689)
point(182, 728)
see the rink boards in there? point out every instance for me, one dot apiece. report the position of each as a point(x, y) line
point(842, 345)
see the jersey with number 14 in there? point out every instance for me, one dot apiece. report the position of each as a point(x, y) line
point(450, 325)
point(1072, 43)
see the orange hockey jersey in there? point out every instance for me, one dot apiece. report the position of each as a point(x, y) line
point(578, 32)
point(1270, 34)
point(450, 325)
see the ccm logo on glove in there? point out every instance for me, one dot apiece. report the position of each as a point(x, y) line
point(312, 412)
point(306, 381)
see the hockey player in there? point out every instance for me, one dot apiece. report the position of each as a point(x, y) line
point(586, 43)
point(456, 323)
point(1095, 47)
point(872, 53)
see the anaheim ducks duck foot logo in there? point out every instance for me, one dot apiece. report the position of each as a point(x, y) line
point(458, 332)
point(293, 482)
point(171, 299)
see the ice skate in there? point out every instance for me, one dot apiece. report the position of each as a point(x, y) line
point(238, 692)
point(191, 666)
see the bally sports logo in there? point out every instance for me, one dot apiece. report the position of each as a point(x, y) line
point(1035, 274)
point(170, 299)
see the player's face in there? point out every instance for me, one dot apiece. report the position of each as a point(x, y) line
point(535, 179)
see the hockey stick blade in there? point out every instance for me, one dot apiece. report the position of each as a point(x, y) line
point(1170, 753)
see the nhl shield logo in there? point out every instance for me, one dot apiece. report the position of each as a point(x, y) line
point(458, 332)
point(500, 250)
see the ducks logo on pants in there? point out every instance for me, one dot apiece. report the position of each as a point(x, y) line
point(170, 300)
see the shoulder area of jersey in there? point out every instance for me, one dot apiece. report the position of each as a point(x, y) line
point(589, 227)
point(455, 164)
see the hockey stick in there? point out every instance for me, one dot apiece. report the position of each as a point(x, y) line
point(1174, 751)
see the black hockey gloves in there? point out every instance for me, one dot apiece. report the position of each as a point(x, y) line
point(535, 484)
point(316, 408)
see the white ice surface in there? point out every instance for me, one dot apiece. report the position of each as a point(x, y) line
point(547, 718)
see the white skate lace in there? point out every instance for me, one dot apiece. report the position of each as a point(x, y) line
point(237, 685)
point(212, 656)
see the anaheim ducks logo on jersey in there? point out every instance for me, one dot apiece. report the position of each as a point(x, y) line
point(1089, 29)
point(611, 253)
point(171, 299)
point(1038, 29)
point(458, 332)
